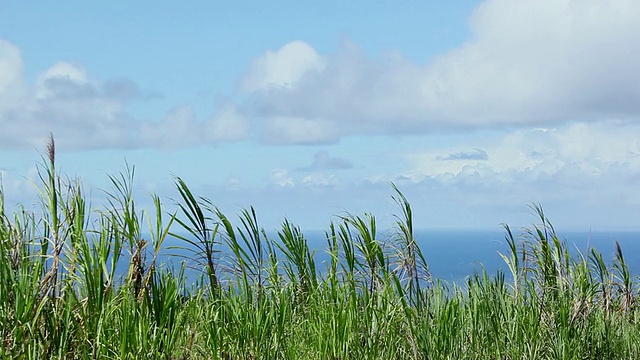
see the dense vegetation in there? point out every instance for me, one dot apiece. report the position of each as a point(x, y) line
point(63, 296)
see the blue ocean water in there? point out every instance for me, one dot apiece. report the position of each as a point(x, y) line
point(453, 255)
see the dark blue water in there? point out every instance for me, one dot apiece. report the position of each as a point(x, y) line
point(453, 255)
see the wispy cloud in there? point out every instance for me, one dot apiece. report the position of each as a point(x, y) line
point(475, 154)
point(323, 161)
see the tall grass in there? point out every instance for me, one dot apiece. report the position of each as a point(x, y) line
point(79, 282)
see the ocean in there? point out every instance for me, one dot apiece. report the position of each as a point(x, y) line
point(453, 255)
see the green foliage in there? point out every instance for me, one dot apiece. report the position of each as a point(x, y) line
point(63, 297)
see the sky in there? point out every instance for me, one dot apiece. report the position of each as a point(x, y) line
point(308, 110)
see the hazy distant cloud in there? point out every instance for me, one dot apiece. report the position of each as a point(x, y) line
point(323, 161)
point(525, 156)
point(19, 186)
point(281, 178)
point(315, 180)
point(475, 154)
point(526, 63)
point(581, 171)
point(233, 183)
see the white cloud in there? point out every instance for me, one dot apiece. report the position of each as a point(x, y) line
point(59, 75)
point(528, 62)
point(233, 183)
point(87, 113)
point(12, 87)
point(281, 178)
point(350, 95)
point(320, 179)
point(541, 61)
point(282, 68)
point(181, 128)
point(227, 125)
point(64, 101)
point(577, 157)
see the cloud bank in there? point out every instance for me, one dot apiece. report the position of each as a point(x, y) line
point(525, 64)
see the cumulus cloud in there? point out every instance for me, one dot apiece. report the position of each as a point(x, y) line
point(226, 125)
point(79, 112)
point(282, 68)
point(526, 63)
point(323, 161)
point(87, 113)
point(351, 94)
point(178, 128)
point(181, 128)
point(542, 62)
point(12, 85)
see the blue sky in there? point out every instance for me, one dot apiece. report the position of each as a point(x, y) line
point(475, 109)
